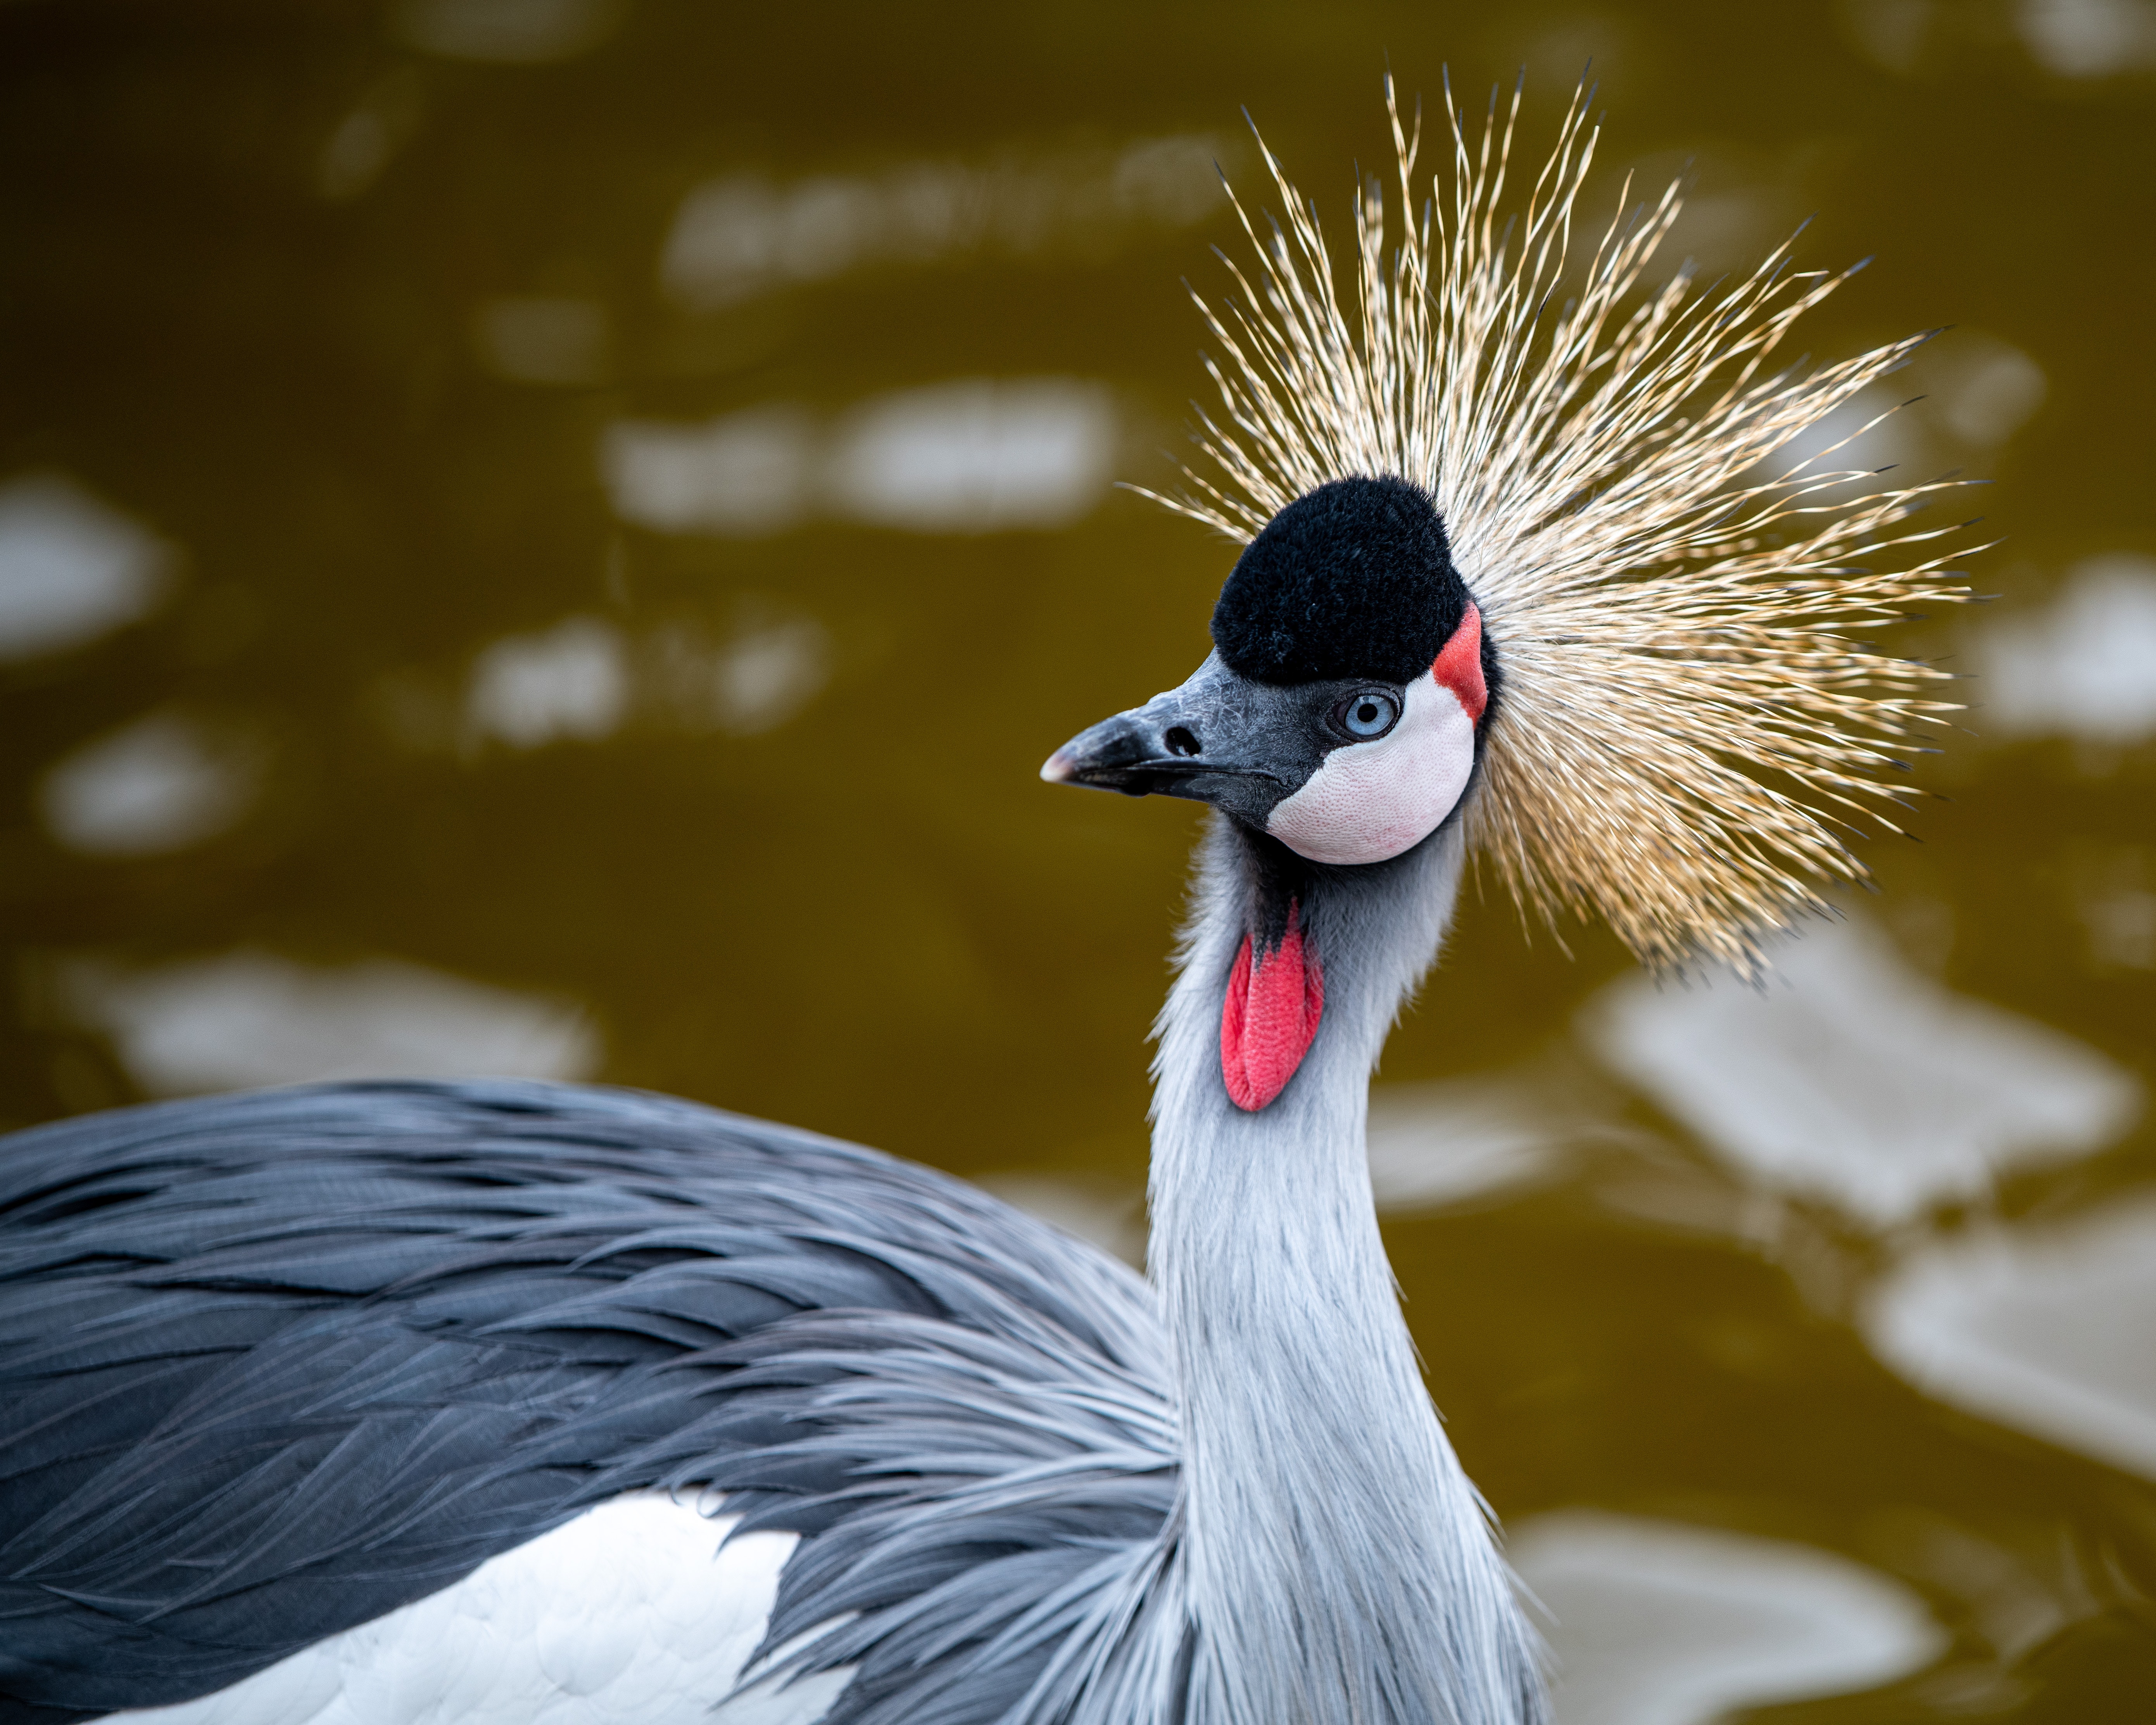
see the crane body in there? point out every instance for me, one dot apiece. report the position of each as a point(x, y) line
point(510, 1402)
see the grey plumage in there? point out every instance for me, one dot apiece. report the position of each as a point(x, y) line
point(272, 1366)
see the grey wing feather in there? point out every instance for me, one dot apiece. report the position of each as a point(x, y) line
point(273, 1365)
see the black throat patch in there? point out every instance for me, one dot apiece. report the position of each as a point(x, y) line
point(1353, 579)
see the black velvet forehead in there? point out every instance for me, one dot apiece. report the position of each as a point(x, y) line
point(1353, 579)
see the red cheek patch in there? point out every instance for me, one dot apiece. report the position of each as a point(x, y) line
point(1459, 667)
point(1270, 1017)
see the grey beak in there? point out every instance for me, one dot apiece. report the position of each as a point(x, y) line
point(1206, 741)
point(1131, 753)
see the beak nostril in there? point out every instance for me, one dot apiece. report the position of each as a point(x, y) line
point(1181, 741)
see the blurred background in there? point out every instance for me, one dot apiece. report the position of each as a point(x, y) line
point(552, 537)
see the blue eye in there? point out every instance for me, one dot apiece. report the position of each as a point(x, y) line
point(1370, 714)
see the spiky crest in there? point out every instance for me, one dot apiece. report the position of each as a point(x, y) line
point(1689, 728)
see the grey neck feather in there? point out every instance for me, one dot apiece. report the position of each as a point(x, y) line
point(1338, 1565)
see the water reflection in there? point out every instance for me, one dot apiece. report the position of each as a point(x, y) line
point(163, 782)
point(2088, 38)
point(515, 33)
point(978, 456)
point(368, 138)
point(2045, 1327)
point(740, 474)
point(2084, 665)
point(736, 237)
point(584, 678)
point(2080, 40)
point(2112, 890)
point(1980, 389)
point(72, 568)
point(540, 338)
point(1854, 1079)
point(772, 667)
point(571, 681)
point(252, 1018)
point(1662, 1622)
point(1458, 1141)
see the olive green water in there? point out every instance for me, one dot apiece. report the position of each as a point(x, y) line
point(386, 322)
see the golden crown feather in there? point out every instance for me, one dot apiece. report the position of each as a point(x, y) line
point(1688, 731)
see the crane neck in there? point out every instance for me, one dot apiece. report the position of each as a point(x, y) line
point(1339, 1565)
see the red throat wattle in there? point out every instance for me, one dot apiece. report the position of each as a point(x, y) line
point(1270, 1016)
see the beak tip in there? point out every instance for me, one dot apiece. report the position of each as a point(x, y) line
point(1058, 768)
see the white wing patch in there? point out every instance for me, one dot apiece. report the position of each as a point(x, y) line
point(1370, 801)
point(631, 1615)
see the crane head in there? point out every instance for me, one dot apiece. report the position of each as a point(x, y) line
point(1343, 706)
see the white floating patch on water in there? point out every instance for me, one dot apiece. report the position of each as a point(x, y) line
point(1982, 389)
point(744, 235)
point(1171, 180)
point(2122, 928)
point(1894, 34)
point(542, 338)
point(2088, 38)
point(1662, 1622)
point(742, 474)
point(250, 1017)
point(768, 672)
point(2085, 666)
point(159, 784)
point(513, 33)
point(72, 568)
point(1854, 1079)
point(2047, 1329)
point(2019, 1592)
point(1460, 1140)
point(771, 668)
point(366, 140)
point(585, 679)
point(2120, 922)
point(978, 456)
point(1105, 1211)
point(1722, 230)
point(572, 681)
point(741, 236)
point(2111, 889)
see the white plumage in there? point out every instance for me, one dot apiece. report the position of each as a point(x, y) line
point(638, 1612)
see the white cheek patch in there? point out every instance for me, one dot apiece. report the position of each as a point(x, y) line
point(1370, 801)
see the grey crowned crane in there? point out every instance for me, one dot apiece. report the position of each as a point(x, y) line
point(370, 1404)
